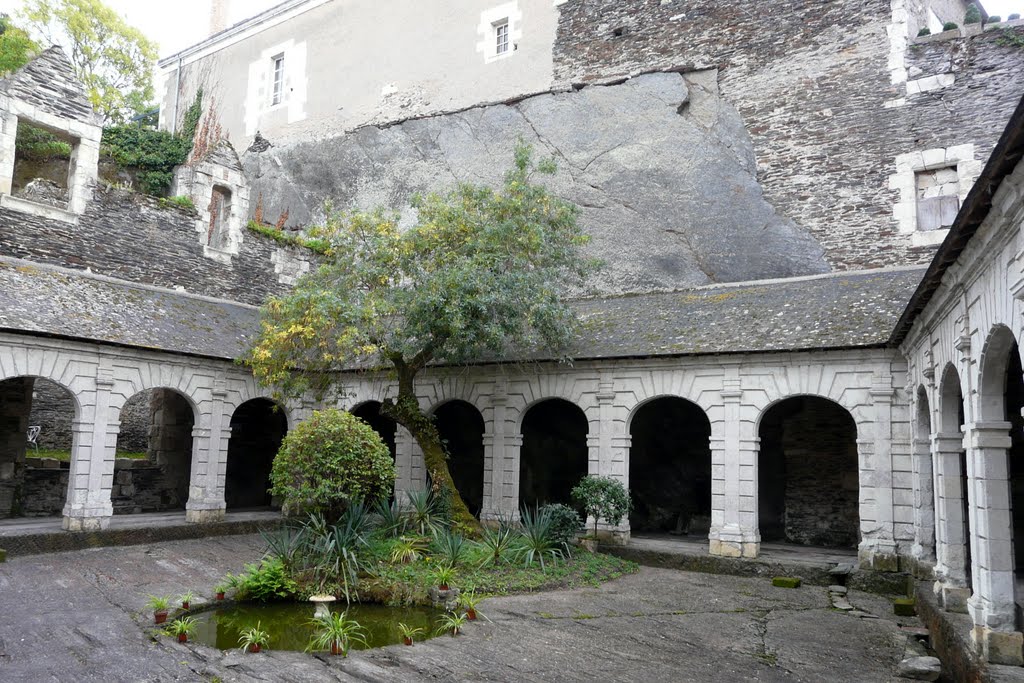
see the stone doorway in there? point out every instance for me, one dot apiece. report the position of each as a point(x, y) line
point(554, 454)
point(461, 428)
point(257, 429)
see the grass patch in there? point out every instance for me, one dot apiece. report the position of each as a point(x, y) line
point(65, 455)
point(318, 246)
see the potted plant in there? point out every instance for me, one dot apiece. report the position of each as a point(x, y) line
point(602, 498)
point(182, 627)
point(468, 601)
point(337, 633)
point(253, 639)
point(160, 606)
point(408, 633)
point(186, 599)
point(220, 589)
point(452, 622)
point(443, 576)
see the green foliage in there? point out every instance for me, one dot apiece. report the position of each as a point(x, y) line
point(452, 622)
point(329, 462)
point(182, 201)
point(973, 14)
point(181, 626)
point(186, 597)
point(336, 631)
point(468, 600)
point(315, 245)
point(16, 48)
point(408, 549)
point(190, 121)
point(994, 19)
point(499, 543)
point(391, 521)
point(1013, 17)
point(158, 603)
point(423, 517)
point(443, 575)
point(1010, 37)
point(565, 523)
point(408, 631)
point(483, 272)
point(537, 539)
point(254, 635)
point(267, 581)
point(603, 498)
point(113, 60)
point(152, 154)
point(38, 144)
point(950, 26)
point(925, 31)
point(448, 547)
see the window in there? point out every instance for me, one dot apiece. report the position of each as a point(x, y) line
point(501, 37)
point(277, 95)
point(938, 198)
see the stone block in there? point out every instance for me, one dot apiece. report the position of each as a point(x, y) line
point(999, 647)
point(786, 582)
point(920, 668)
point(904, 607)
point(954, 599)
point(49, 463)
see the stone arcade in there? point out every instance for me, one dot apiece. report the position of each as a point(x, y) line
point(832, 405)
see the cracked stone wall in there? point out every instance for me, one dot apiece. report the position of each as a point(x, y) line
point(662, 167)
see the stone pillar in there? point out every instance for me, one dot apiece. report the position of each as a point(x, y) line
point(950, 531)
point(210, 440)
point(8, 134)
point(923, 550)
point(494, 455)
point(734, 451)
point(93, 446)
point(992, 606)
point(877, 549)
point(410, 469)
point(15, 406)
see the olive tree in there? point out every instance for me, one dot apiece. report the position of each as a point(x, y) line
point(481, 275)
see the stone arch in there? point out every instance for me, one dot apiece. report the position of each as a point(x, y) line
point(808, 473)
point(953, 530)
point(951, 409)
point(30, 485)
point(461, 428)
point(924, 472)
point(554, 455)
point(670, 466)
point(159, 479)
point(996, 358)
point(369, 412)
point(257, 428)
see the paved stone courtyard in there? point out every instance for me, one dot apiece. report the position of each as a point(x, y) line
point(79, 617)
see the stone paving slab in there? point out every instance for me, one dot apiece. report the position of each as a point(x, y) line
point(79, 617)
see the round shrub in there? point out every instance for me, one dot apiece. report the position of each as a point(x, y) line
point(565, 523)
point(924, 32)
point(1013, 17)
point(973, 14)
point(994, 19)
point(329, 461)
point(950, 26)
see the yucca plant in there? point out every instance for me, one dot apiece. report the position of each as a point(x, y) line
point(452, 622)
point(391, 520)
point(448, 547)
point(500, 544)
point(423, 513)
point(337, 633)
point(537, 540)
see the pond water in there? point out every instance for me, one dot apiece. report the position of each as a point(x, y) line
point(291, 626)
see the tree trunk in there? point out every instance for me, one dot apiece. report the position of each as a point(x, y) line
point(405, 410)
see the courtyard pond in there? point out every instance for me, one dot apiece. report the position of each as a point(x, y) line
point(291, 626)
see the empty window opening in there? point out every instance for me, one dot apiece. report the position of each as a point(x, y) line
point(670, 468)
point(277, 92)
point(461, 429)
point(42, 165)
point(938, 198)
point(554, 453)
point(501, 37)
point(257, 429)
point(220, 213)
point(36, 446)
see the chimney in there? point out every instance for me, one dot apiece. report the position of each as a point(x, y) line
point(219, 10)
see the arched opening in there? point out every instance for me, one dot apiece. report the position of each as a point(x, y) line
point(369, 412)
point(461, 428)
point(924, 492)
point(36, 445)
point(257, 429)
point(154, 453)
point(670, 467)
point(554, 455)
point(954, 525)
point(808, 478)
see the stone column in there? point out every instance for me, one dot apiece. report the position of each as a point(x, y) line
point(494, 455)
point(923, 550)
point(15, 406)
point(877, 549)
point(210, 439)
point(410, 469)
point(950, 531)
point(93, 445)
point(734, 451)
point(992, 607)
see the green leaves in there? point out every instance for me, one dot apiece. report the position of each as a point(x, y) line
point(603, 498)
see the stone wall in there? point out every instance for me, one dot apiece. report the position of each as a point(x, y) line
point(53, 410)
point(15, 399)
point(813, 84)
point(132, 237)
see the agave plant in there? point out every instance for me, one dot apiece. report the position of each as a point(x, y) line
point(390, 518)
point(423, 514)
point(336, 633)
point(288, 543)
point(538, 539)
point(448, 546)
point(500, 544)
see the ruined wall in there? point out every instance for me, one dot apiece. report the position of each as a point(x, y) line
point(139, 486)
point(813, 84)
point(132, 237)
point(53, 410)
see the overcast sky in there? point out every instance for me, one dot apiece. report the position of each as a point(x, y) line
point(176, 25)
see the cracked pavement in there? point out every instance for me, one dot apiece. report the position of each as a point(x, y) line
point(80, 617)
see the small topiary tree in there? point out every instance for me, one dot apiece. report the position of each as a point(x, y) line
point(603, 498)
point(994, 19)
point(329, 461)
point(950, 26)
point(1013, 17)
point(924, 32)
point(972, 15)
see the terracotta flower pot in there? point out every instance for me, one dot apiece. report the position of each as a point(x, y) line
point(335, 649)
point(471, 614)
point(455, 631)
point(254, 648)
point(160, 616)
point(220, 595)
point(407, 641)
point(182, 637)
point(185, 605)
point(443, 587)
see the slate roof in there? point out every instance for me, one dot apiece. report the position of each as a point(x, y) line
point(848, 310)
point(844, 310)
point(49, 83)
point(63, 303)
